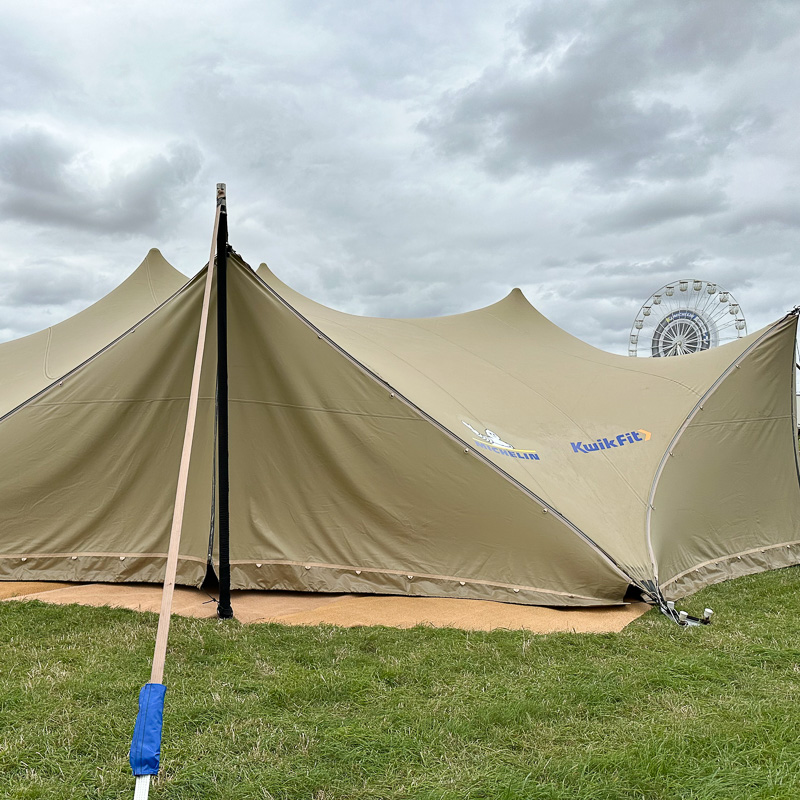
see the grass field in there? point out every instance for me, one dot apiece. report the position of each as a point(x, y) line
point(267, 711)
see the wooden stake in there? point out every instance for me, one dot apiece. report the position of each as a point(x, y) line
point(142, 789)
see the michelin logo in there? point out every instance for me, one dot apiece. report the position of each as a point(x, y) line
point(633, 437)
point(492, 442)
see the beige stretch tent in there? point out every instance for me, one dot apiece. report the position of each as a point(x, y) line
point(32, 363)
point(483, 455)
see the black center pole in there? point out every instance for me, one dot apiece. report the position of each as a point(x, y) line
point(224, 610)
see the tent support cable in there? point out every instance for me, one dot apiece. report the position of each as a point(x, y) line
point(146, 744)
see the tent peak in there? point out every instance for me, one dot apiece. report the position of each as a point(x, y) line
point(515, 296)
point(518, 296)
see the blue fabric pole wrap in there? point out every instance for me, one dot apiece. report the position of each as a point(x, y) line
point(146, 744)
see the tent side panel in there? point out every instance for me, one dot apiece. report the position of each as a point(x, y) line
point(87, 487)
point(29, 364)
point(338, 486)
point(728, 501)
point(598, 423)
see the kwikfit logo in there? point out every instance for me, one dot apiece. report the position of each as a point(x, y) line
point(633, 437)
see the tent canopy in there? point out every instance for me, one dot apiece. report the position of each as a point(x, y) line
point(30, 364)
point(486, 455)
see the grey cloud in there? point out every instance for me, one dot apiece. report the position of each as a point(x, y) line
point(721, 32)
point(46, 282)
point(655, 37)
point(599, 303)
point(769, 216)
point(28, 75)
point(600, 84)
point(625, 280)
point(32, 160)
point(43, 184)
point(594, 115)
point(653, 207)
point(512, 122)
point(38, 292)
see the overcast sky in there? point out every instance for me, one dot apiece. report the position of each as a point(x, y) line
point(406, 158)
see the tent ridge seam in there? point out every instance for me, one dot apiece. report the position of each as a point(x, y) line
point(322, 410)
point(384, 349)
point(150, 281)
point(47, 355)
point(774, 418)
point(112, 401)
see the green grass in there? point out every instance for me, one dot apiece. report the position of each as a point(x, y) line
point(266, 711)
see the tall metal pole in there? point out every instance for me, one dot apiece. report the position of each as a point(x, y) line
point(224, 610)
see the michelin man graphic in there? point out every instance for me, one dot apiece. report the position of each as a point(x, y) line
point(491, 437)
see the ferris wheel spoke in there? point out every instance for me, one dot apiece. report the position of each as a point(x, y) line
point(719, 315)
point(709, 303)
point(676, 321)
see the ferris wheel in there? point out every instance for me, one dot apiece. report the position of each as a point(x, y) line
point(686, 316)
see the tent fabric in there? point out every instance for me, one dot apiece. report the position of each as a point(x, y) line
point(509, 369)
point(88, 484)
point(29, 364)
point(487, 455)
point(344, 488)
